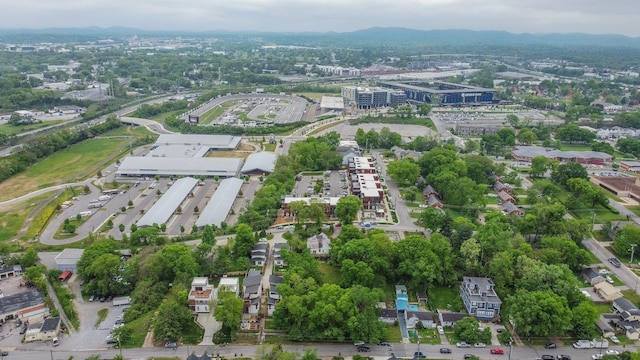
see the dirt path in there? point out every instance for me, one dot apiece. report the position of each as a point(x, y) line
point(27, 222)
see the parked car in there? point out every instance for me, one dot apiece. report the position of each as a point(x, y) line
point(497, 351)
point(614, 339)
point(468, 356)
point(440, 330)
point(92, 297)
point(384, 343)
point(603, 272)
point(463, 344)
point(479, 345)
point(358, 343)
point(500, 330)
point(597, 356)
point(608, 279)
point(55, 341)
point(548, 357)
point(23, 330)
point(551, 346)
point(612, 352)
point(363, 348)
point(4, 353)
point(171, 344)
point(564, 357)
point(445, 351)
point(419, 355)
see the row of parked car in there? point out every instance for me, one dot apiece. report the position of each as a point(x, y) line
point(93, 298)
point(119, 323)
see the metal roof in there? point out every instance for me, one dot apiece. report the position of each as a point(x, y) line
point(220, 203)
point(69, 256)
point(264, 161)
point(332, 102)
point(162, 210)
point(227, 142)
point(151, 166)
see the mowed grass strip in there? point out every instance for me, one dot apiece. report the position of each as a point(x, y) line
point(213, 113)
point(61, 167)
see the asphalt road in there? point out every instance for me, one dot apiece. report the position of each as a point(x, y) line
point(323, 350)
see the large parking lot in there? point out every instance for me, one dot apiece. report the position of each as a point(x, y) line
point(335, 184)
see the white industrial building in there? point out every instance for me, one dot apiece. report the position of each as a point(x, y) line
point(220, 203)
point(162, 210)
point(213, 142)
point(167, 166)
point(67, 259)
point(263, 162)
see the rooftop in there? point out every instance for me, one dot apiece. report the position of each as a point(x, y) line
point(220, 203)
point(13, 303)
point(162, 210)
point(50, 324)
point(227, 142)
point(209, 166)
point(263, 161)
point(69, 255)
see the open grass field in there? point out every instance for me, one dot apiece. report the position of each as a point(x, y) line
point(602, 215)
point(445, 298)
point(329, 273)
point(9, 130)
point(12, 217)
point(229, 154)
point(73, 164)
point(140, 327)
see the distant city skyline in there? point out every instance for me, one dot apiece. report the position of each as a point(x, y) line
point(516, 16)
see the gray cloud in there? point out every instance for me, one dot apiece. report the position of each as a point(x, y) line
point(542, 16)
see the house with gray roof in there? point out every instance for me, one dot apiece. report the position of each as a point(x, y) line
point(592, 276)
point(423, 317)
point(319, 245)
point(448, 318)
point(251, 291)
point(274, 295)
point(259, 253)
point(277, 257)
point(480, 298)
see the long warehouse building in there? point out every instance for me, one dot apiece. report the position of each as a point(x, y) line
point(220, 203)
point(167, 166)
point(442, 93)
point(213, 142)
point(162, 210)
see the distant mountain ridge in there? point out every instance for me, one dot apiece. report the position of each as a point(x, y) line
point(387, 35)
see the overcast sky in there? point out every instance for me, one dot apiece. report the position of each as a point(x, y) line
point(517, 16)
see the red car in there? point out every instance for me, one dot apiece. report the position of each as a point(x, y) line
point(497, 351)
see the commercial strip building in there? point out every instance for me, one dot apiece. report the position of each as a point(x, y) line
point(165, 166)
point(370, 98)
point(27, 305)
point(162, 210)
point(220, 204)
point(442, 93)
point(526, 153)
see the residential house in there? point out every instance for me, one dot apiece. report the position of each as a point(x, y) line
point(480, 298)
point(434, 202)
point(27, 305)
point(319, 245)
point(505, 197)
point(424, 317)
point(201, 295)
point(274, 295)
point(46, 330)
point(277, 258)
point(259, 253)
point(592, 276)
point(388, 316)
point(626, 309)
point(251, 291)
point(231, 284)
point(604, 328)
point(510, 209)
point(447, 318)
point(429, 191)
point(607, 291)
point(348, 155)
point(499, 187)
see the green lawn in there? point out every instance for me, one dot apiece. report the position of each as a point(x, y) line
point(9, 130)
point(270, 147)
point(575, 147)
point(72, 164)
point(602, 215)
point(427, 336)
point(444, 298)
point(393, 334)
point(140, 327)
point(631, 296)
point(634, 209)
point(329, 273)
point(394, 120)
point(11, 219)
